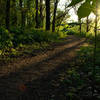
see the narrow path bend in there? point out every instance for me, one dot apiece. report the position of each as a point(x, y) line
point(19, 81)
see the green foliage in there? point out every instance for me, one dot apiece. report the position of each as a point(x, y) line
point(11, 42)
point(75, 30)
point(21, 36)
point(70, 32)
point(82, 34)
point(74, 2)
point(84, 7)
point(31, 36)
point(88, 6)
point(40, 35)
point(79, 78)
point(5, 38)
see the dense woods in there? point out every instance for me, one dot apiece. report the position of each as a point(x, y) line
point(56, 41)
point(20, 19)
point(27, 13)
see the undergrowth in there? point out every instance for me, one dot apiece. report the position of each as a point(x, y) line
point(80, 80)
point(17, 42)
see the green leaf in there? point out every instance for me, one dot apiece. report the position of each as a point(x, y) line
point(74, 2)
point(84, 10)
point(0, 52)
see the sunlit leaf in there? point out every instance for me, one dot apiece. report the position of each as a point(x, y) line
point(84, 10)
point(74, 2)
point(0, 52)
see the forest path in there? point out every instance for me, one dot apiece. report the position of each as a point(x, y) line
point(37, 77)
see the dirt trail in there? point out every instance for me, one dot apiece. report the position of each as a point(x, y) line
point(31, 78)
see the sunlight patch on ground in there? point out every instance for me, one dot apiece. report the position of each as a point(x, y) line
point(85, 44)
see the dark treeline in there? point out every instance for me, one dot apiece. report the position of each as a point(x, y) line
point(28, 13)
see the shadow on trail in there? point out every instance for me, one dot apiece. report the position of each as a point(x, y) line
point(45, 87)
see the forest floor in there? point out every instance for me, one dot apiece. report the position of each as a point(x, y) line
point(39, 77)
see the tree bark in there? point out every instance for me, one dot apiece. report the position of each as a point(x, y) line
point(8, 14)
point(22, 14)
point(95, 50)
point(14, 22)
point(28, 17)
point(80, 26)
point(41, 10)
point(87, 29)
point(36, 17)
point(47, 14)
point(54, 16)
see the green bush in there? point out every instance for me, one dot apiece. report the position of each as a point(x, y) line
point(70, 32)
point(18, 36)
point(40, 35)
point(21, 36)
point(16, 30)
point(5, 39)
point(32, 35)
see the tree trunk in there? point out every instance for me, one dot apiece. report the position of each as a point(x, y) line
point(41, 10)
point(95, 51)
point(28, 17)
point(47, 14)
point(8, 14)
point(14, 20)
point(54, 16)
point(80, 26)
point(0, 2)
point(87, 29)
point(36, 17)
point(0, 13)
point(22, 14)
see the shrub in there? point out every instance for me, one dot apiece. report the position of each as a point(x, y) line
point(5, 39)
point(18, 36)
point(70, 32)
point(40, 35)
point(21, 36)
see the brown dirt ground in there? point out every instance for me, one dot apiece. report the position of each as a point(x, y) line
point(38, 77)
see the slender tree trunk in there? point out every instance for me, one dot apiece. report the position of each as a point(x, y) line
point(41, 2)
point(22, 14)
point(23, 19)
point(20, 3)
point(47, 14)
point(0, 12)
point(41, 10)
point(80, 26)
point(0, 2)
point(54, 16)
point(87, 29)
point(8, 14)
point(36, 17)
point(28, 17)
point(95, 47)
point(14, 14)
